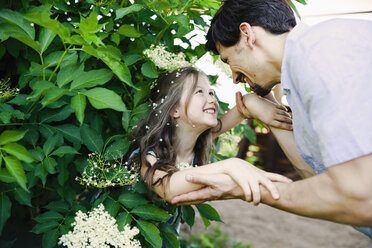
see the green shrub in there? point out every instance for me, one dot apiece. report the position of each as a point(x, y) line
point(212, 240)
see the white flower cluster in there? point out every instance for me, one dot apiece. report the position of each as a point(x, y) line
point(101, 173)
point(166, 60)
point(183, 166)
point(98, 229)
point(6, 91)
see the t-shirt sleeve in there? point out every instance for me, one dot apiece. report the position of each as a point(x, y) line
point(336, 87)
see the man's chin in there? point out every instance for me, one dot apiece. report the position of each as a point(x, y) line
point(261, 92)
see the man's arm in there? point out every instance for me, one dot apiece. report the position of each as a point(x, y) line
point(342, 194)
point(287, 142)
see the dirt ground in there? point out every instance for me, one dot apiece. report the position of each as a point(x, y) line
point(266, 227)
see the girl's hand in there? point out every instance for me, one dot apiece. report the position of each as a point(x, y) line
point(249, 178)
point(265, 110)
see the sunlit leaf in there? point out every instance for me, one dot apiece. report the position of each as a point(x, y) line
point(15, 169)
point(102, 98)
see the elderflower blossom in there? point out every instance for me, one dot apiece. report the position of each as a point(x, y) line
point(5, 90)
point(99, 229)
point(100, 173)
point(166, 60)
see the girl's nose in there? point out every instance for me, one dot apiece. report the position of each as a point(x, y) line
point(211, 99)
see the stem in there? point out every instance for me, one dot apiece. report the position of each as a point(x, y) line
point(20, 124)
point(42, 63)
point(59, 62)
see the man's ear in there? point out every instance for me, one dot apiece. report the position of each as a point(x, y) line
point(247, 34)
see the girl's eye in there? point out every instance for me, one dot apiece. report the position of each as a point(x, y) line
point(199, 91)
point(211, 93)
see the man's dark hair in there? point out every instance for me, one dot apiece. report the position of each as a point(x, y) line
point(276, 16)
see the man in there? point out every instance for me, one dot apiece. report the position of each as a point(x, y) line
point(326, 72)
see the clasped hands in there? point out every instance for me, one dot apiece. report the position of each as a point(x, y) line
point(241, 180)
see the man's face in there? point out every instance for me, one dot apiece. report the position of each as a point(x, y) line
point(249, 66)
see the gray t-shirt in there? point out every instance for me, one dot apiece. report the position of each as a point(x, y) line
point(327, 76)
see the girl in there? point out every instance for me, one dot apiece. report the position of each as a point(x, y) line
point(177, 135)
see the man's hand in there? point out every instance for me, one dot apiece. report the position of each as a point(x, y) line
point(264, 109)
point(218, 187)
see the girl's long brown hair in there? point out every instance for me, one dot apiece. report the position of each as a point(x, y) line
point(156, 132)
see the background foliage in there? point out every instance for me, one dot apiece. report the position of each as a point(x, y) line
point(82, 83)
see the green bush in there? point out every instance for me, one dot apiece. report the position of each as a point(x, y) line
point(82, 81)
point(213, 240)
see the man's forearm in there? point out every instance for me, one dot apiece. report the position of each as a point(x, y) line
point(322, 197)
point(287, 142)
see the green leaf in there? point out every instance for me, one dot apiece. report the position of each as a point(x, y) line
point(90, 24)
point(69, 58)
point(41, 16)
point(37, 154)
point(68, 73)
point(131, 199)
point(250, 134)
point(117, 67)
point(130, 59)
point(50, 164)
point(17, 19)
point(125, 11)
point(129, 31)
point(148, 69)
point(5, 175)
point(50, 143)
point(52, 95)
point(9, 136)
point(124, 218)
point(10, 30)
point(64, 150)
point(117, 149)
point(62, 114)
point(23, 197)
point(50, 238)
point(41, 173)
point(102, 98)
point(39, 88)
point(206, 222)
point(166, 227)
point(48, 216)
point(150, 212)
point(171, 240)
point(70, 132)
point(18, 151)
point(91, 138)
point(15, 169)
point(111, 206)
point(78, 104)
point(181, 19)
point(5, 210)
point(150, 232)
point(115, 37)
point(45, 38)
point(58, 206)
point(91, 78)
point(208, 212)
point(44, 227)
point(294, 8)
point(188, 214)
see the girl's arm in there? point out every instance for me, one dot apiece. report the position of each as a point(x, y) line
point(233, 167)
point(266, 111)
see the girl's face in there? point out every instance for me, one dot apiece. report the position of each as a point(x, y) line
point(202, 107)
